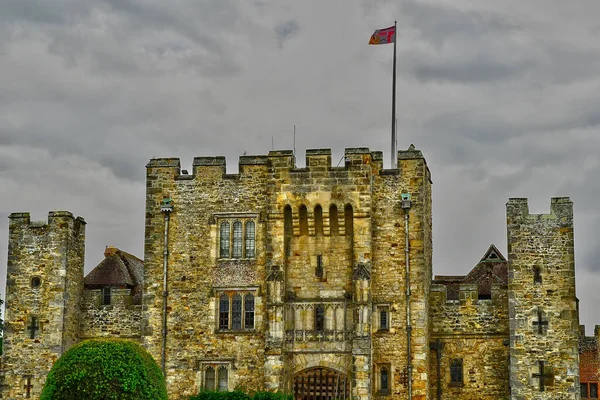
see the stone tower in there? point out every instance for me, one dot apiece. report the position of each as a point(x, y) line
point(43, 287)
point(542, 305)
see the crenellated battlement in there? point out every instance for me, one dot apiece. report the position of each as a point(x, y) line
point(560, 208)
point(56, 220)
point(469, 314)
point(316, 160)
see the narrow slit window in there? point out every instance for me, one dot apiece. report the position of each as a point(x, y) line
point(303, 215)
point(250, 239)
point(224, 312)
point(224, 240)
point(106, 296)
point(237, 240)
point(319, 270)
point(333, 220)
point(318, 221)
point(537, 275)
point(384, 383)
point(236, 312)
point(288, 229)
point(349, 220)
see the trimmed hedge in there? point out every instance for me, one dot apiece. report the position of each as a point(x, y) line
point(107, 369)
point(239, 395)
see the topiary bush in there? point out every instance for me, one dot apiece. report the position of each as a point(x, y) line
point(105, 369)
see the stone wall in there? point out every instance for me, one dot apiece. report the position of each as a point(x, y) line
point(476, 332)
point(120, 319)
point(542, 305)
point(44, 284)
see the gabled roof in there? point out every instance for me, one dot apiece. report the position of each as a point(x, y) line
point(491, 269)
point(492, 255)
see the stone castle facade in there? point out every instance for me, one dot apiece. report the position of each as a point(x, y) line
point(314, 281)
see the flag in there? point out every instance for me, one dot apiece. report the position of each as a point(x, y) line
point(384, 36)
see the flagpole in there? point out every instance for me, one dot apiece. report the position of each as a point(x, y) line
point(394, 154)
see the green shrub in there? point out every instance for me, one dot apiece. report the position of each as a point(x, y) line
point(239, 395)
point(105, 369)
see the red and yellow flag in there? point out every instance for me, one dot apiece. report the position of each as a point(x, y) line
point(384, 36)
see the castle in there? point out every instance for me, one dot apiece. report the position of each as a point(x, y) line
point(314, 281)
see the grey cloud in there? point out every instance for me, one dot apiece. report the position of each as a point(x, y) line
point(286, 31)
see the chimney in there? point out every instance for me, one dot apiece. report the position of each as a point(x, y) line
point(110, 250)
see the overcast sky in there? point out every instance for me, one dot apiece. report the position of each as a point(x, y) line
point(502, 97)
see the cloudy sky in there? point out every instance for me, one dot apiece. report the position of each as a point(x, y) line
point(503, 98)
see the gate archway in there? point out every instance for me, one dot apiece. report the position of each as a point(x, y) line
point(321, 383)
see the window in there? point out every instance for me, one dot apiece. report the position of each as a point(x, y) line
point(216, 376)
point(237, 239)
point(318, 220)
point(209, 378)
point(36, 282)
point(250, 239)
point(303, 214)
point(589, 390)
point(236, 311)
point(106, 296)
point(249, 311)
point(349, 220)
point(288, 230)
point(223, 379)
point(383, 378)
point(456, 372)
point(537, 275)
point(224, 312)
point(320, 319)
point(384, 318)
point(333, 220)
point(224, 239)
point(319, 270)
point(384, 384)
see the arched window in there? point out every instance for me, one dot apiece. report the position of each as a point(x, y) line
point(224, 311)
point(236, 312)
point(320, 318)
point(384, 382)
point(349, 220)
point(209, 378)
point(288, 229)
point(250, 239)
point(318, 220)
point(249, 311)
point(333, 220)
point(456, 371)
point(237, 239)
point(223, 381)
point(303, 214)
point(224, 239)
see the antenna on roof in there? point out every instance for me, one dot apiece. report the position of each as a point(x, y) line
point(294, 139)
point(272, 143)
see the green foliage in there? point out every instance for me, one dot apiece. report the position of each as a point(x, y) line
point(107, 369)
point(239, 395)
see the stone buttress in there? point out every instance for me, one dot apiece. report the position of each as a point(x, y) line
point(544, 361)
point(43, 288)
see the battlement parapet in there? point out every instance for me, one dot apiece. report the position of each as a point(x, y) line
point(22, 220)
point(561, 208)
point(468, 292)
point(469, 314)
point(317, 160)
